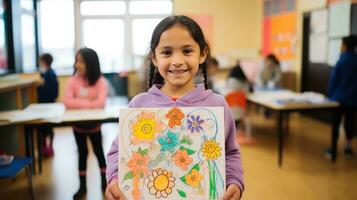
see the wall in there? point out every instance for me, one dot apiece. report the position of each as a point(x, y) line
point(236, 23)
point(303, 6)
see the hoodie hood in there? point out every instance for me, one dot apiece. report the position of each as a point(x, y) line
point(156, 98)
point(199, 94)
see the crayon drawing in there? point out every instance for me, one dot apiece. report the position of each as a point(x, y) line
point(172, 153)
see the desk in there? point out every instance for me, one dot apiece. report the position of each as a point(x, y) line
point(110, 114)
point(270, 100)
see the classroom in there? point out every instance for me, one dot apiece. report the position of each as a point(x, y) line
point(178, 99)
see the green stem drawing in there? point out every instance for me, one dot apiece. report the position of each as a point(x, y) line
point(212, 181)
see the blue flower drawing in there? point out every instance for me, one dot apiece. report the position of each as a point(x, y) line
point(169, 142)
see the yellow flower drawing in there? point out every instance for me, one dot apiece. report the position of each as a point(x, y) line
point(145, 128)
point(211, 150)
point(160, 183)
point(193, 179)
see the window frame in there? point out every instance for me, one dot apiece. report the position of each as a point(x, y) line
point(127, 18)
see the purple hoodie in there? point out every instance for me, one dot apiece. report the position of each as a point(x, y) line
point(197, 98)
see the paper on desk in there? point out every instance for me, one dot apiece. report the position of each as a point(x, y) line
point(19, 116)
point(47, 110)
point(306, 97)
point(34, 112)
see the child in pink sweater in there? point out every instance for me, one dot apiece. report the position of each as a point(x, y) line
point(87, 89)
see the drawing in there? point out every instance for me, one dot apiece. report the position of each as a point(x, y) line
point(172, 153)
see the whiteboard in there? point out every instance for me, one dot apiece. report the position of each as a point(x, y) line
point(318, 48)
point(339, 19)
point(334, 51)
point(318, 23)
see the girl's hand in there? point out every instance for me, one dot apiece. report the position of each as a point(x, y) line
point(113, 192)
point(233, 193)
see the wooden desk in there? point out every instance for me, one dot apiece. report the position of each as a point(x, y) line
point(70, 118)
point(109, 114)
point(270, 100)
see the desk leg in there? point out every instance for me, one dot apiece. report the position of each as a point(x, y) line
point(286, 123)
point(28, 147)
point(29, 143)
point(33, 150)
point(280, 138)
point(335, 127)
point(39, 149)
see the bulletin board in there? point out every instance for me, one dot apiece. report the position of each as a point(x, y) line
point(279, 38)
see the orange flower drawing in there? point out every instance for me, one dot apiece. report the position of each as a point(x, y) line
point(193, 179)
point(161, 183)
point(175, 117)
point(182, 159)
point(138, 164)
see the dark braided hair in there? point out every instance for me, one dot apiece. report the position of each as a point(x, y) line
point(204, 73)
point(196, 33)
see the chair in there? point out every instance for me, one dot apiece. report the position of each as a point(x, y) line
point(11, 170)
point(237, 101)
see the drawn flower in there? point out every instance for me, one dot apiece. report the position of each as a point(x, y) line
point(182, 159)
point(169, 142)
point(160, 183)
point(146, 126)
point(175, 116)
point(193, 179)
point(138, 163)
point(194, 124)
point(211, 150)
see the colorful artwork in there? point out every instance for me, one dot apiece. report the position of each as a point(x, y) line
point(172, 153)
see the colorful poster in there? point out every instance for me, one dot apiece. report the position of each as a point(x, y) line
point(172, 153)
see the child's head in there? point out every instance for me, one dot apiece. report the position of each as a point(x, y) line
point(349, 43)
point(87, 65)
point(45, 60)
point(177, 50)
point(272, 61)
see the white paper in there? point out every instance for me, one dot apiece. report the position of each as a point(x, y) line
point(318, 48)
point(172, 153)
point(334, 51)
point(318, 23)
point(339, 19)
point(47, 110)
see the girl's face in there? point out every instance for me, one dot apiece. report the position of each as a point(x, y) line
point(177, 57)
point(80, 65)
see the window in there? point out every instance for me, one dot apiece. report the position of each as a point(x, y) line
point(56, 32)
point(3, 49)
point(118, 30)
point(110, 46)
point(28, 36)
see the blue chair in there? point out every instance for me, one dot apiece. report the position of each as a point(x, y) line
point(11, 170)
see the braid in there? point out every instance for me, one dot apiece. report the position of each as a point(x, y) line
point(151, 74)
point(204, 73)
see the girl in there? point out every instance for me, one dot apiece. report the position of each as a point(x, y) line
point(178, 49)
point(87, 89)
